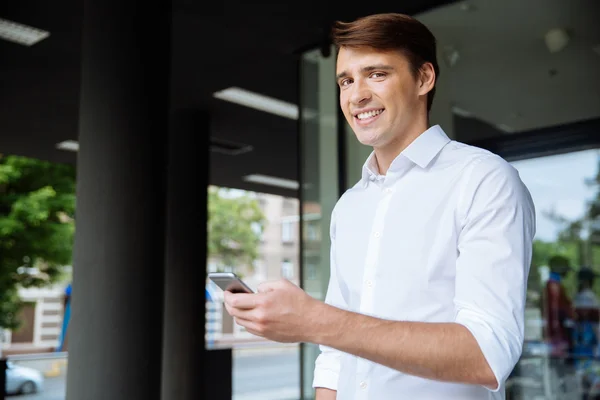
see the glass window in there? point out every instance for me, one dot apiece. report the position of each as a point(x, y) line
point(319, 173)
point(245, 238)
point(497, 82)
point(36, 274)
point(257, 229)
point(287, 231)
point(287, 269)
point(535, 76)
point(561, 326)
point(313, 232)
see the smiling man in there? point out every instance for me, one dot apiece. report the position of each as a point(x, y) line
point(430, 250)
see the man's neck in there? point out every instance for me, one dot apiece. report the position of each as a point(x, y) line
point(385, 155)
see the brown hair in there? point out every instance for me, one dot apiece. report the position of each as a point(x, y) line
point(391, 31)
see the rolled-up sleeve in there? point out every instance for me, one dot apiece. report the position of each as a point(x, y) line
point(327, 365)
point(495, 250)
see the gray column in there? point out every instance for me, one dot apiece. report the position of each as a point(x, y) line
point(115, 343)
point(184, 343)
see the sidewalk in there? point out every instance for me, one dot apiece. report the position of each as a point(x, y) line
point(243, 345)
point(279, 394)
point(278, 348)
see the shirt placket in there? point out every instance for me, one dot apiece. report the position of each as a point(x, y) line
point(367, 303)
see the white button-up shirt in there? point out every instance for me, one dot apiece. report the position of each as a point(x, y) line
point(445, 236)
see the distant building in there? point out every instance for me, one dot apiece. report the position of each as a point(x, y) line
point(41, 317)
point(279, 249)
point(278, 257)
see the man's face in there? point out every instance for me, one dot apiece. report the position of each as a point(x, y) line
point(378, 94)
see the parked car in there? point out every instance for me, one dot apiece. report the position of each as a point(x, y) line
point(23, 380)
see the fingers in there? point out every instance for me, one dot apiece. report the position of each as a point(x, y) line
point(244, 313)
point(243, 301)
point(250, 326)
point(247, 315)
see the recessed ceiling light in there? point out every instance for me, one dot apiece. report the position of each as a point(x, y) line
point(556, 39)
point(272, 181)
point(21, 34)
point(258, 101)
point(68, 145)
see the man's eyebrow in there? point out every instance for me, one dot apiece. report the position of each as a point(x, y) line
point(369, 68)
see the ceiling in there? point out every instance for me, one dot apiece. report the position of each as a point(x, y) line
point(504, 76)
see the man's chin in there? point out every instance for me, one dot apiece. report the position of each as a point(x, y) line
point(367, 138)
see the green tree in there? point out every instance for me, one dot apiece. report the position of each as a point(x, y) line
point(235, 223)
point(543, 252)
point(37, 206)
point(578, 239)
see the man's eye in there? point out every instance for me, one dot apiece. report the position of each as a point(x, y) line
point(345, 82)
point(377, 75)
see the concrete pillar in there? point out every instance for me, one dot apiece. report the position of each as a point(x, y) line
point(115, 345)
point(184, 344)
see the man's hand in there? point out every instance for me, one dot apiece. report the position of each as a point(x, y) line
point(280, 311)
point(283, 312)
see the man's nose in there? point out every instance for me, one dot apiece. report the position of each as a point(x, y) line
point(360, 93)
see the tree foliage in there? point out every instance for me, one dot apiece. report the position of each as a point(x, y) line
point(37, 207)
point(577, 240)
point(235, 223)
point(543, 252)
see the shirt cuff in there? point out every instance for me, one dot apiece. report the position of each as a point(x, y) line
point(325, 376)
point(325, 379)
point(500, 348)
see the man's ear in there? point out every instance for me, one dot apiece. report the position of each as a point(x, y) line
point(426, 78)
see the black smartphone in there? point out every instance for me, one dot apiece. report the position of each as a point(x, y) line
point(228, 281)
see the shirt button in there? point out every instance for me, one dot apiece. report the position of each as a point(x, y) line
point(377, 234)
point(388, 190)
point(369, 284)
point(363, 385)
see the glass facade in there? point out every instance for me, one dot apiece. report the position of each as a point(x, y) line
point(529, 92)
point(319, 187)
point(561, 334)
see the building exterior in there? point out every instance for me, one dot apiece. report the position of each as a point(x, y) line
point(278, 257)
point(280, 241)
point(42, 321)
point(279, 248)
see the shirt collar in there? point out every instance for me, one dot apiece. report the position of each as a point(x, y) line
point(370, 169)
point(420, 152)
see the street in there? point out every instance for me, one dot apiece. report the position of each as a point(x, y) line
point(257, 375)
point(54, 389)
point(267, 376)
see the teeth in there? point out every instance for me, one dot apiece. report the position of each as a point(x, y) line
point(369, 114)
